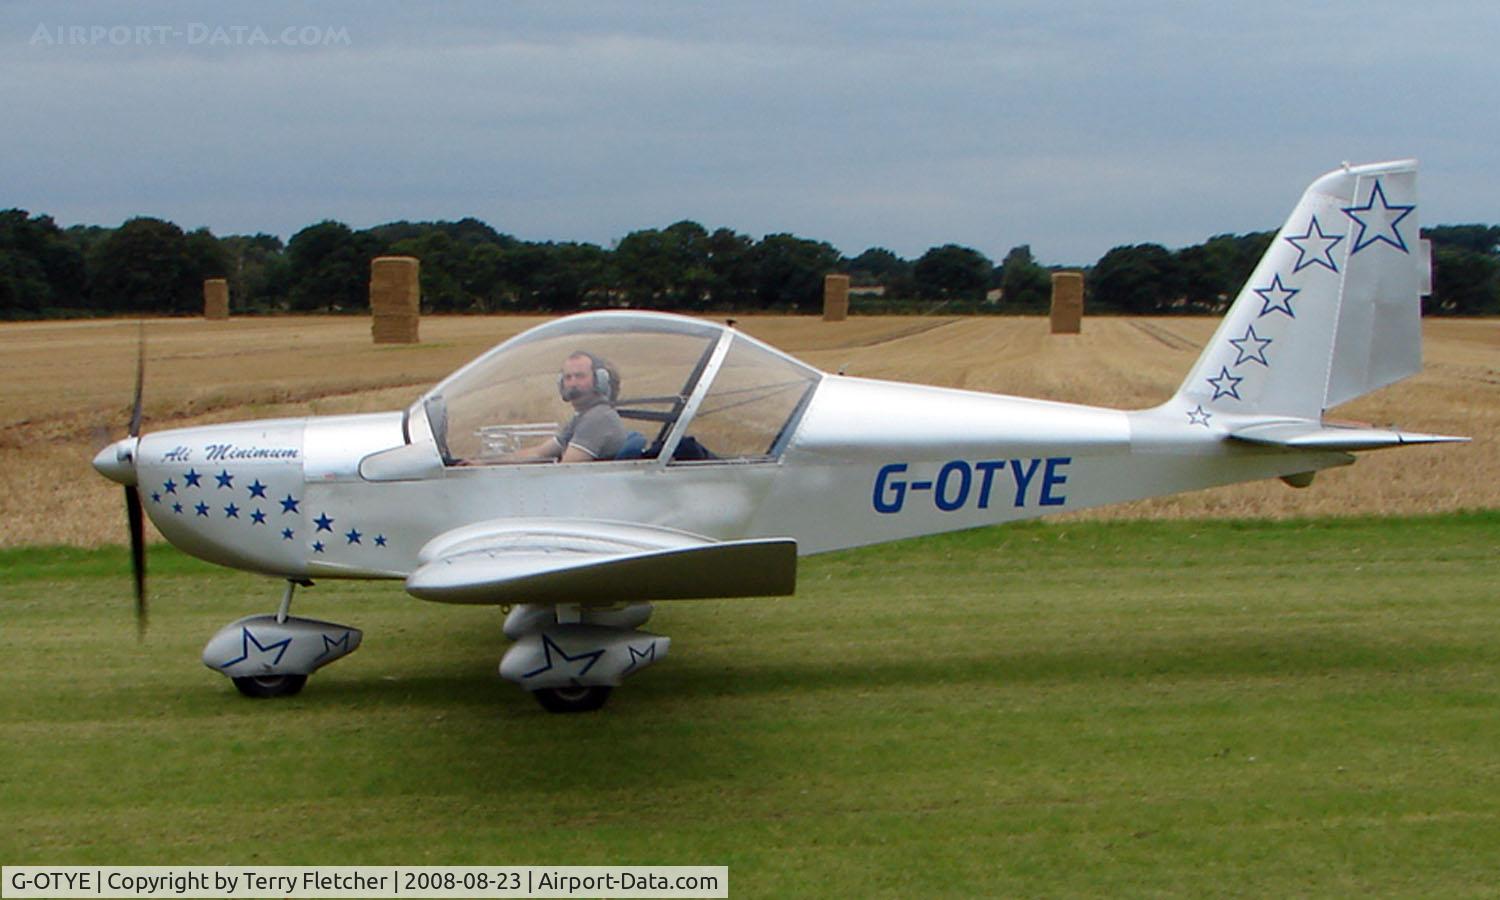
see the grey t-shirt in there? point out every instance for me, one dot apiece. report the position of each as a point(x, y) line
point(596, 431)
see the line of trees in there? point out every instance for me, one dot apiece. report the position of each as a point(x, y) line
point(152, 266)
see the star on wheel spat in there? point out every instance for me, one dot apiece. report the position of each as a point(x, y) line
point(261, 650)
point(549, 647)
point(636, 656)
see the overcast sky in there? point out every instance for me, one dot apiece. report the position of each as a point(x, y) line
point(1071, 127)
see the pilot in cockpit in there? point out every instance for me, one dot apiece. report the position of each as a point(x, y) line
point(592, 384)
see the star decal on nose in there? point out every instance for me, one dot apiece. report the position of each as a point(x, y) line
point(258, 517)
point(231, 511)
point(353, 536)
point(324, 523)
point(169, 487)
point(380, 540)
point(287, 534)
point(288, 505)
point(190, 478)
point(202, 509)
point(317, 546)
point(257, 489)
point(225, 479)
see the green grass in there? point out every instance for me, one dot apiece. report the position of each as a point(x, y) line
point(1143, 709)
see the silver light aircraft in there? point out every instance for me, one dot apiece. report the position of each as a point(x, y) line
point(740, 459)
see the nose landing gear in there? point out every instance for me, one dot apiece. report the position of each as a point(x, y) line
point(271, 656)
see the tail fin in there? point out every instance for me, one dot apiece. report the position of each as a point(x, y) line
point(1333, 309)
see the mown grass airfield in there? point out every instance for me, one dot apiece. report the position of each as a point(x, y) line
point(1255, 690)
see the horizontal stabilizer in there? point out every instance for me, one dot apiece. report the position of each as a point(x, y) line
point(569, 570)
point(1306, 435)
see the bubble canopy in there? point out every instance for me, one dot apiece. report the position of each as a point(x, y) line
point(693, 391)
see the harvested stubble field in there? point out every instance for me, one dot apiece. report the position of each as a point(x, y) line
point(68, 387)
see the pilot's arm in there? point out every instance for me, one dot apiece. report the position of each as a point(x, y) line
point(546, 448)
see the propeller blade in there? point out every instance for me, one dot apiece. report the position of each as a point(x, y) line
point(137, 552)
point(140, 378)
point(133, 509)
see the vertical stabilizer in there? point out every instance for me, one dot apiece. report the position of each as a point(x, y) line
point(1331, 312)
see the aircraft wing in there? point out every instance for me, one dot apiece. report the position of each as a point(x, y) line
point(585, 561)
point(1309, 435)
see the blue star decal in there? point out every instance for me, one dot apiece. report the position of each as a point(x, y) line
point(287, 534)
point(324, 523)
point(380, 540)
point(257, 490)
point(177, 508)
point(1319, 246)
point(170, 487)
point(637, 655)
point(1226, 385)
point(288, 505)
point(202, 509)
point(231, 511)
point(353, 536)
point(548, 646)
point(261, 649)
point(258, 517)
point(155, 497)
point(1256, 353)
point(317, 546)
point(329, 643)
point(190, 478)
point(1382, 221)
point(1199, 416)
point(225, 479)
point(1277, 298)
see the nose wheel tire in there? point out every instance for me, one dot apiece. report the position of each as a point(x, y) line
point(572, 699)
point(263, 687)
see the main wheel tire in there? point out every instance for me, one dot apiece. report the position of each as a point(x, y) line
point(572, 699)
point(262, 687)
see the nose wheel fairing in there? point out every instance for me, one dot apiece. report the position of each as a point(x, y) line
point(268, 646)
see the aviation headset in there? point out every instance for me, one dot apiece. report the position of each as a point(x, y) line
point(606, 382)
